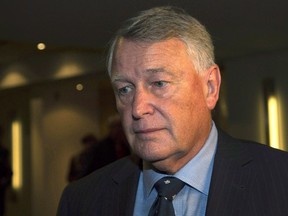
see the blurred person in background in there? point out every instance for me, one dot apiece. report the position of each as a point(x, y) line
point(113, 146)
point(83, 164)
point(5, 173)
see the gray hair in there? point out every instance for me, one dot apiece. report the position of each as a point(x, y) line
point(162, 23)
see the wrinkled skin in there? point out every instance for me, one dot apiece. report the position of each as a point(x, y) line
point(164, 103)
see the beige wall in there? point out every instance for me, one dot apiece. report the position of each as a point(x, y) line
point(55, 116)
point(245, 97)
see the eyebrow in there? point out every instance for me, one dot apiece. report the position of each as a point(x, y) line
point(156, 70)
point(117, 79)
point(159, 70)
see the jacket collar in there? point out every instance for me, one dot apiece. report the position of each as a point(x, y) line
point(126, 178)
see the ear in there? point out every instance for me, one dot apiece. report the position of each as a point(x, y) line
point(212, 83)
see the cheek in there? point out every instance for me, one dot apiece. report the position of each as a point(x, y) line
point(188, 112)
point(122, 109)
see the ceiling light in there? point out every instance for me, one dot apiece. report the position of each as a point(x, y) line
point(41, 46)
point(79, 87)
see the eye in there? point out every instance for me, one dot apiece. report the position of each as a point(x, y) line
point(125, 90)
point(160, 83)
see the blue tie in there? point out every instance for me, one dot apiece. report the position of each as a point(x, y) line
point(167, 189)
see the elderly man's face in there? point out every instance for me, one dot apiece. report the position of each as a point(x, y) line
point(164, 103)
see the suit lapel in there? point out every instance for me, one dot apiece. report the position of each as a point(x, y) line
point(126, 180)
point(232, 175)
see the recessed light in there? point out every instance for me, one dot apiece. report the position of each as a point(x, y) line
point(79, 87)
point(41, 46)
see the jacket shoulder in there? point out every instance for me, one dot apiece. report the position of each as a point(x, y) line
point(228, 144)
point(106, 184)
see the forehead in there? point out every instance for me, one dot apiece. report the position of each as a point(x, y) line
point(149, 54)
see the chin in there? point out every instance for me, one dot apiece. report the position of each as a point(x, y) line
point(150, 157)
point(164, 166)
point(154, 158)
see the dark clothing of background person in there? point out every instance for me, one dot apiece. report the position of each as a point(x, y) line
point(83, 163)
point(97, 154)
point(112, 147)
point(5, 177)
point(110, 150)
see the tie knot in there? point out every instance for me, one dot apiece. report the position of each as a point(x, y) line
point(168, 187)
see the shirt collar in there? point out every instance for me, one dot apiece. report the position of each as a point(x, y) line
point(196, 173)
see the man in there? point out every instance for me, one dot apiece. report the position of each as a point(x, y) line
point(166, 84)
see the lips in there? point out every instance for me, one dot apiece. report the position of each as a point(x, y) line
point(147, 130)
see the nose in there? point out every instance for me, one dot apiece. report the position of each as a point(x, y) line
point(142, 104)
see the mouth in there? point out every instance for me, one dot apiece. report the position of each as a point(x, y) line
point(147, 131)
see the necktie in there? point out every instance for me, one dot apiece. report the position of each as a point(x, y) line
point(167, 189)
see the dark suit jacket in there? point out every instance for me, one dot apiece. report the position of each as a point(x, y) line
point(248, 179)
